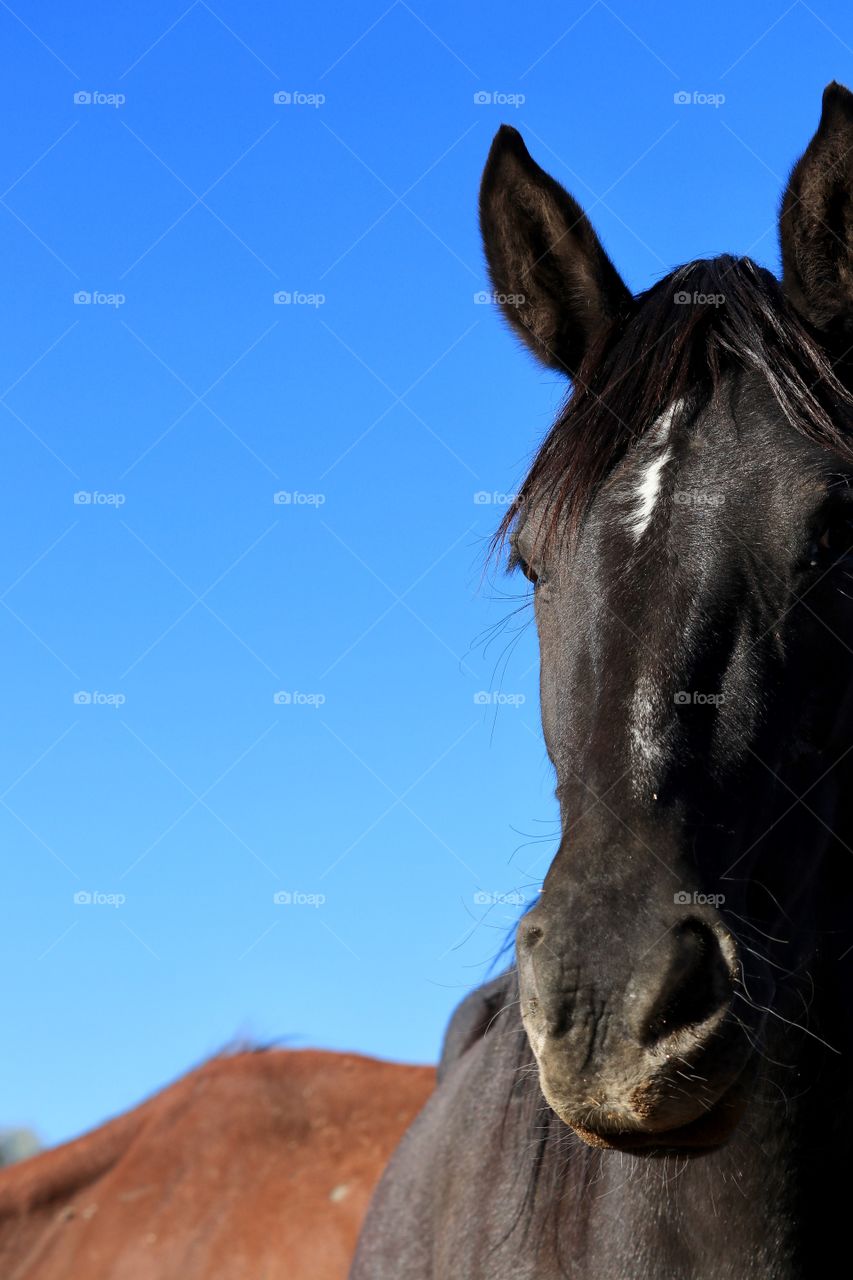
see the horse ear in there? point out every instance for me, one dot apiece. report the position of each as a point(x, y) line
point(816, 221)
point(555, 284)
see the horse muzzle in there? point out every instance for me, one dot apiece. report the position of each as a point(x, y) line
point(644, 1055)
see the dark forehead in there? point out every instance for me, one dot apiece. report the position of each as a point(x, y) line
point(739, 437)
point(719, 338)
point(731, 470)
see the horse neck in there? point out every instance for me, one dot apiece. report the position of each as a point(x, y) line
point(818, 1122)
point(788, 1160)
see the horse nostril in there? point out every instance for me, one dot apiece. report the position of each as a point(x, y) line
point(695, 985)
point(531, 935)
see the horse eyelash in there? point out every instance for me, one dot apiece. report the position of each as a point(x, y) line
point(514, 560)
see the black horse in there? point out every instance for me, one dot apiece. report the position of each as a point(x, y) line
point(663, 1087)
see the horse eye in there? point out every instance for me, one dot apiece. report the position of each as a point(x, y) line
point(530, 574)
point(834, 542)
point(517, 561)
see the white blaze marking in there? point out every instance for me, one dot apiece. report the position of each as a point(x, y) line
point(647, 491)
point(647, 494)
point(645, 727)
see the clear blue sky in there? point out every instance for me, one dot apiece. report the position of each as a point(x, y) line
point(405, 818)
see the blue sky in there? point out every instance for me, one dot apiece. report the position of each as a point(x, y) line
point(213, 698)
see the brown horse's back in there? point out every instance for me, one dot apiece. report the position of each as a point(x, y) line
point(253, 1167)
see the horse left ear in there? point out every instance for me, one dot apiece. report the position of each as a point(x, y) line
point(555, 284)
point(816, 221)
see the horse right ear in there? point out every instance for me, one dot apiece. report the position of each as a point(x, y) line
point(555, 284)
point(816, 221)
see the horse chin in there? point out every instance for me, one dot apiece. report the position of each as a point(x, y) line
point(708, 1132)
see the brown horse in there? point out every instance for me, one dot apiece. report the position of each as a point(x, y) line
point(256, 1166)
